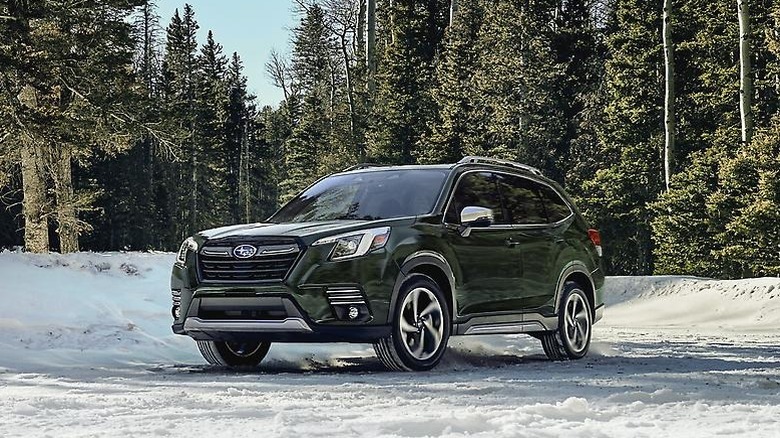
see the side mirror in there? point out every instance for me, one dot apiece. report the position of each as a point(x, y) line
point(474, 217)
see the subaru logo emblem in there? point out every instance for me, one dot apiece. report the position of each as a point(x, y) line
point(244, 251)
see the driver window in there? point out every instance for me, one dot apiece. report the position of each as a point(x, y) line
point(477, 189)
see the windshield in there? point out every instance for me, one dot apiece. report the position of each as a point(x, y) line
point(366, 196)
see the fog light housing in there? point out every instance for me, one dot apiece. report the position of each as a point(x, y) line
point(348, 303)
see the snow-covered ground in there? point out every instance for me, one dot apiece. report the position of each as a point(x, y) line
point(86, 350)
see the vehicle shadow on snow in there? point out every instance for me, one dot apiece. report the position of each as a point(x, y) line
point(679, 360)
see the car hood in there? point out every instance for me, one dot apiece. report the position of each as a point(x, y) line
point(308, 231)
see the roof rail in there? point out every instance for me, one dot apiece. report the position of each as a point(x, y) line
point(361, 166)
point(500, 162)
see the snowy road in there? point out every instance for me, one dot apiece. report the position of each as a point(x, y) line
point(634, 384)
point(657, 368)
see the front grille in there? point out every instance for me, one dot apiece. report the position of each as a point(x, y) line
point(273, 260)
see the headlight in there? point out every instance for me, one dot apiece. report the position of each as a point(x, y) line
point(188, 245)
point(356, 244)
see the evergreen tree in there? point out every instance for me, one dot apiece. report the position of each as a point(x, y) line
point(631, 138)
point(179, 70)
point(312, 69)
point(684, 224)
point(403, 103)
point(238, 142)
point(751, 240)
point(67, 88)
point(453, 93)
point(210, 160)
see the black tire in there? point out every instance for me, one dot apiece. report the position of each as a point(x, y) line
point(234, 354)
point(572, 338)
point(405, 350)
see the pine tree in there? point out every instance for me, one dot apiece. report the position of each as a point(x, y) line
point(312, 69)
point(67, 86)
point(453, 93)
point(631, 135)
point(238, 142)
point(210, 159)
point(684, 225)
point(751, 239)
point(578, 43)
point(403, 104)
point(179, 88)
point(517, 101)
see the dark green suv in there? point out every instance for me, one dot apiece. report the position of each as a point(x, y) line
point(402, 257)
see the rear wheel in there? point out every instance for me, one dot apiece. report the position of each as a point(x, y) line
point(421, 327)
point(234, 354)
point(575, 322)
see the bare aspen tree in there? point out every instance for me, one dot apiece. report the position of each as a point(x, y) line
point(279, 71)
point(453, 10)
point(342, 18)
point(745, 81)
point(371, 47)
point(669, 108)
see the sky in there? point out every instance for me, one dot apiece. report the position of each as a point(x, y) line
point(250, 27)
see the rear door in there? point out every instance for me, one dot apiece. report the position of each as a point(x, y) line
point(538, 238)
point(490, 267)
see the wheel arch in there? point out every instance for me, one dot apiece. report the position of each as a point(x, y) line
point(577, 272)
point(433, 265)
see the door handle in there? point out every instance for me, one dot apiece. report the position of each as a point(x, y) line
point(511, 242)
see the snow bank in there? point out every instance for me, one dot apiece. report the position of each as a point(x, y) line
point(745, 305)
point(87, 308)
point(113, 309)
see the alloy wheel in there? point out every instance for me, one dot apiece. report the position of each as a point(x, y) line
point(421, 323)
point(577, 323)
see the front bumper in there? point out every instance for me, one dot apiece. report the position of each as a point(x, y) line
point(266, 318)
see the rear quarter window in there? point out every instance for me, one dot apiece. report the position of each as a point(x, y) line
point(557, 209)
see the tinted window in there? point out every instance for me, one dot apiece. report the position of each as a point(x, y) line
point(523, 201)
point(366, 196)
point(556, 207)
point(477, 189)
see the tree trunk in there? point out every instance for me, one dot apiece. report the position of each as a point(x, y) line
point(360, 38)
point(371, 48)
point(745, 82)
point(67, 222)
point(350, 90)
point(453, 10)
point(247, 180)
point(669, 110)
point(36, 230)
point(194, 189)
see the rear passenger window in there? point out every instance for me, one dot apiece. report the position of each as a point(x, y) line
point(556, 207)
point(523, 201)
point(477, 189)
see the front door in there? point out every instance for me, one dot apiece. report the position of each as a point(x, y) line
point(489, 259)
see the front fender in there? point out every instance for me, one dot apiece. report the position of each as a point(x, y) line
point(420, 262)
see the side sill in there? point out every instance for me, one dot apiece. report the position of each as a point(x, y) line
point(506, 324)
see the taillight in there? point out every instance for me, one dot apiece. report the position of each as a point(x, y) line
point(595, 237)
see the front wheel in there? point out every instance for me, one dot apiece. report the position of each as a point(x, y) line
point(421, 327)
point(234, 354)
point(575, 322)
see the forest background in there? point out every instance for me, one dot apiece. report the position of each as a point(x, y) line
point(121, 131)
